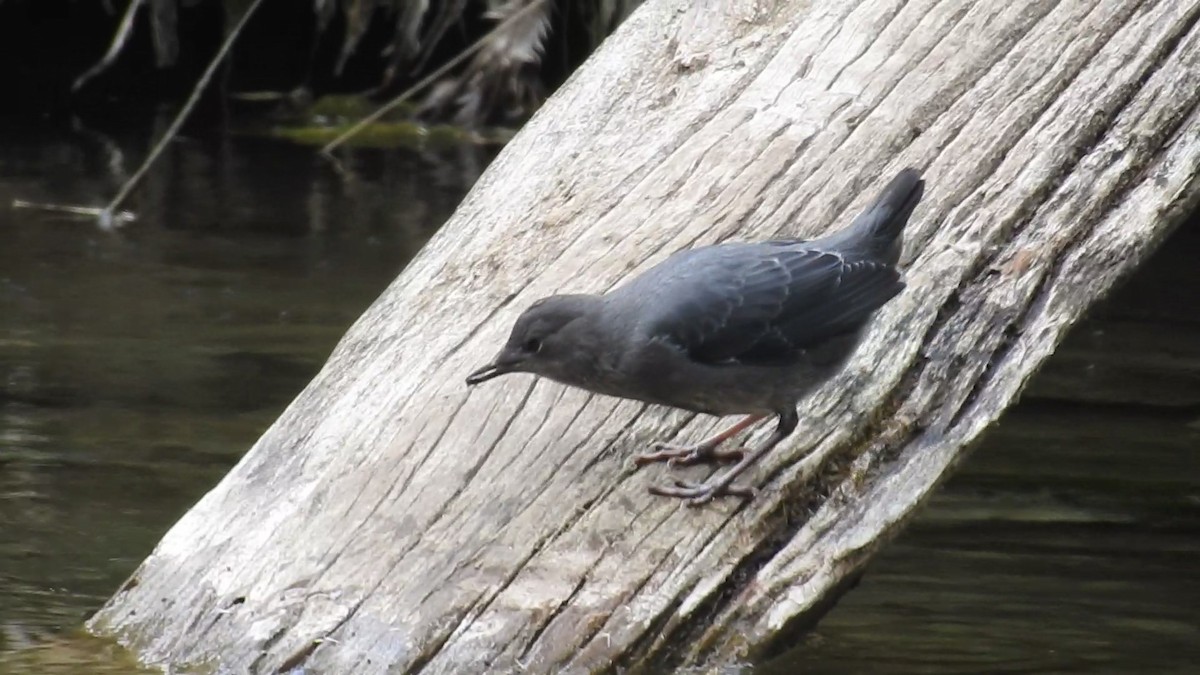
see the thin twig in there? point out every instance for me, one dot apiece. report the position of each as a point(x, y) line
point(119, 218)
point(179, 118)
point(429, 79)
point(124, 30)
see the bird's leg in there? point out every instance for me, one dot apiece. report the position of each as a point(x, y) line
point(704, 452)
point(722, 484)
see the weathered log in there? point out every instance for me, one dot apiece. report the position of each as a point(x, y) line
point(393, 521)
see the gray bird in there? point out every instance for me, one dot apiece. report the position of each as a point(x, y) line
point(737, 328)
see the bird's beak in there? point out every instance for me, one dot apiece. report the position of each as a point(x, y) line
point(494, 369)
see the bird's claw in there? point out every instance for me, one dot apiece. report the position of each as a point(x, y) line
point(698, 494)
point(688, 455)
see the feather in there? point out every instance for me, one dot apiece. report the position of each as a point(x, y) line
point(762, 303)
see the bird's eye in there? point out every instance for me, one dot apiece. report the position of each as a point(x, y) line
point(532, 345)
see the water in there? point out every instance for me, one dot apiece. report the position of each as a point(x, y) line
point(136, 366)
point(1069, 540)
point(1054, 550)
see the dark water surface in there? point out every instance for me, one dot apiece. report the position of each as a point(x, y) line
point(1069, 541)
point(135, 368)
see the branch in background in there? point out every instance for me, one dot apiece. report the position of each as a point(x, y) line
point(432, 77)
point(324, 11)
point(503, 78)
point(406, 41)
point(452, 10)
point(358, 15)
point(108, 217)
point(502, 85)
point(169, 135)
point(124, 30)
point(164, 28)
point(113, 221)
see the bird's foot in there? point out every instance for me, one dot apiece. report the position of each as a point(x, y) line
point(688, 455)
point(698, 494)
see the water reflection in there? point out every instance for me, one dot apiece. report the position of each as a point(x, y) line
point(136, 366)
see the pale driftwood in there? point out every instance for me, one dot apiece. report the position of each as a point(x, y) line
point(392, 521)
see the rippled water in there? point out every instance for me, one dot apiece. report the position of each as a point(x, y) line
point(136, 366)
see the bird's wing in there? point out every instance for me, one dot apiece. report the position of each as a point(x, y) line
point(763, 303)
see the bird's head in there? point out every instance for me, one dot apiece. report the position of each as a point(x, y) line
point(542, 338)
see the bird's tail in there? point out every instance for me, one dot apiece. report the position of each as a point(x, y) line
point(876, 231)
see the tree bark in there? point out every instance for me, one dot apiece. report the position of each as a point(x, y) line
point(393, 521)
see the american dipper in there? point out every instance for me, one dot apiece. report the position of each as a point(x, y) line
point(737, 328)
